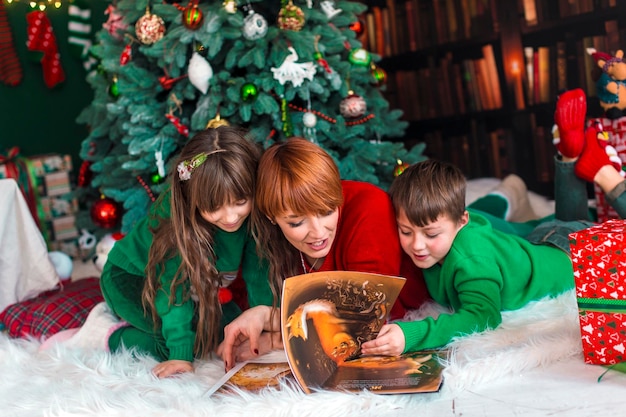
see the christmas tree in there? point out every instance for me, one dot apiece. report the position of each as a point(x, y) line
point(279, 69)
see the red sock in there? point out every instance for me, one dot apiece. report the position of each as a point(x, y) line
point(10, 69)
point(593, 157)
point(571, 108)
point(42, 39)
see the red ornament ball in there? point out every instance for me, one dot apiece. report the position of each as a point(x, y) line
point(150, 28)
point(352, 106)
point(192, 17)
point(106, 213)
point(358, 27)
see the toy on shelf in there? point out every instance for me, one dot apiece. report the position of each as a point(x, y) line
point(611, 82)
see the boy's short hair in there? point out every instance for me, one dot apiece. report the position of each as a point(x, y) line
point(429, 189)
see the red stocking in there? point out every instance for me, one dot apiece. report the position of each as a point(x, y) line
point(10, 69)
point(42, 39)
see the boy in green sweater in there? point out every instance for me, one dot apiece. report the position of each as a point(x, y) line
point(469, 263)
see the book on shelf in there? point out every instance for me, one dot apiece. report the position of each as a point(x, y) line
point(530, 12)
point(440, 21)
point(388, 30)
point(410, 7)
point(493, 79)
point(326, 316)
point(393, 28)
point(543, 73)
point(611, 28)
point(561, 67)
point(587, 66)
point(379, 31)
point(529, 60)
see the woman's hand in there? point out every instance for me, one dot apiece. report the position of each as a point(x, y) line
point(267, 342)
point(244, 333)
point(173, 367)
point(390, 341)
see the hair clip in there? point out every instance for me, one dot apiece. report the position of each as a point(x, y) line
point(186, 167)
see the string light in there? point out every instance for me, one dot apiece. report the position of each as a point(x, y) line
point(40, 4)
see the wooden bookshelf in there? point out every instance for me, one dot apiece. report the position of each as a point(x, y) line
point(484, 75)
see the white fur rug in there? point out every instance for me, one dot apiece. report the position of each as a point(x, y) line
point(63, 382)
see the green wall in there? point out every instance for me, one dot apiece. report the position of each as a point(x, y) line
point(32, 116)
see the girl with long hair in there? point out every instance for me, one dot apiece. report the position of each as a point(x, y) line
point(167, 279)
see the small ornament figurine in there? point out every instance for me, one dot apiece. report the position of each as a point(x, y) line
point(399, 168)
point(230, 6)
point(106, 212)
point(199, 72)
point(168, 82)
point(127, 54)
point(192, 16)
point(291, 17)
point(292, 71)
point(328, 7)
point(158, 158)
point(249, 92)
point(150, 28)
point(254, 26)
point(115, 23)
point(180, 127)
point(352, 106)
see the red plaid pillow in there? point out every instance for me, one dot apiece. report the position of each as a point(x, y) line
point(53, 311)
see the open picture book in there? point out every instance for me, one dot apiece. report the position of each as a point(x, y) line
point(325, 317)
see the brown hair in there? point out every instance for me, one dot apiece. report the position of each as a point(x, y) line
point(294, 176)
point(227, 175)
point(429, 189)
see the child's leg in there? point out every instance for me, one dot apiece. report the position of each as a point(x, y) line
point(508, 201)
point(131, 337)
point(570, 193)
point(595, 166)
point(616, 196)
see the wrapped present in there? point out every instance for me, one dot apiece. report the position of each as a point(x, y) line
point(599, 263)
point(49, 163)
point(12, 165)
point(616, 130)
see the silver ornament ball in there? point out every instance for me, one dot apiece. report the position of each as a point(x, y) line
point(309, 119)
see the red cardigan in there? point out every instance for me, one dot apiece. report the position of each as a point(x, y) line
point(367, 241)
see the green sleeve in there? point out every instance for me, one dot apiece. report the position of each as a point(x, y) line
point(255, 273)
point(475, 297)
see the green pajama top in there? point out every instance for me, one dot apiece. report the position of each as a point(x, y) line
point(232, 250)
point(486, 272)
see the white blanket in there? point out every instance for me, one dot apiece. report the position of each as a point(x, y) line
point(64, 382)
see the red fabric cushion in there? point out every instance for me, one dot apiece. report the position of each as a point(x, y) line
point(53, 311)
